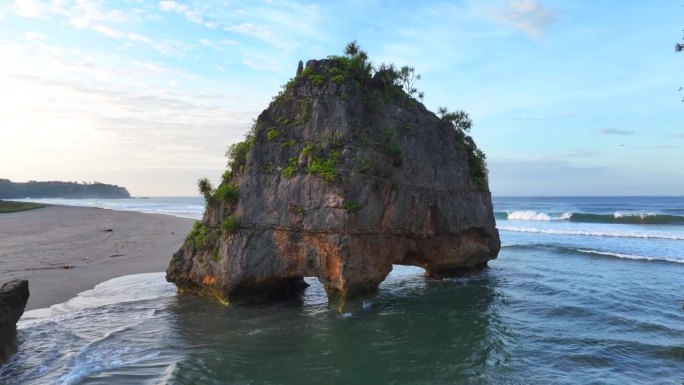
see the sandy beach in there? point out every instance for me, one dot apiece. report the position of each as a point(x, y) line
point(63, 251)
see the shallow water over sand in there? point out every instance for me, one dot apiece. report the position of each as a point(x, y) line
point(534, 317)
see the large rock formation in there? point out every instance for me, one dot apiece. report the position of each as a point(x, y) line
point(13, 298)
point(343, 175)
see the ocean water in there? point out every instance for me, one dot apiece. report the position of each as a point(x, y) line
point(585, 291)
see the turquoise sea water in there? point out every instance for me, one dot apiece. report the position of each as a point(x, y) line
point(585, 290)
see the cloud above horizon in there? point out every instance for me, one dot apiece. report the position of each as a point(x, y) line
point(612, 131)
point(556, 177)
point(112, 114)
point(28, 8)
point(529, 16)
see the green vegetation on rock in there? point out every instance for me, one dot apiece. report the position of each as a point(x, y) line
point(237, 153)
point(291, 168)
point(339, 79)
point(227, 191)
point(316, 80)
point(201, 237)
point(324, 169)
point(352, 206)
point(229, 224)
point(205, 189)
point(477, 163)
point(272, 133)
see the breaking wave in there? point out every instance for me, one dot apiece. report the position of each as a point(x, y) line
point(630, 256)
point(618, 234)
point(572, 250)
point(529, 215)
point(618, 217)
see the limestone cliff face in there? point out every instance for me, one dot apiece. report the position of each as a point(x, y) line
point(342, 179)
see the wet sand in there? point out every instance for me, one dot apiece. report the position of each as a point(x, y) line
point(63, 251)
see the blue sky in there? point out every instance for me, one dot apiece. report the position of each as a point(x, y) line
point(567, 97)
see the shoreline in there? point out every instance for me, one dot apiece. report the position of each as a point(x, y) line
point(65, 250)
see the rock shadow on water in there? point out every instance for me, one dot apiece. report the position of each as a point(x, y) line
point(416, 330)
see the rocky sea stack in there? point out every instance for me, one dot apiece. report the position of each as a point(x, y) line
point(343, 175)
point(13, 298)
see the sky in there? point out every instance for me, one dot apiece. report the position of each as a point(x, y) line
point(566, 97)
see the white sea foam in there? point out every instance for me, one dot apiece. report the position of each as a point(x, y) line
point(129, 288)
point(117, 324)
point(622, 214)
point(630, 256)
point(618, 234)
point(529, 215)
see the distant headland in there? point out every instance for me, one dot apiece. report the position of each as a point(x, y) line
point(56, 189)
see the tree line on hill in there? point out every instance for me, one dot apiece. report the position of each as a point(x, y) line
point(56, 189)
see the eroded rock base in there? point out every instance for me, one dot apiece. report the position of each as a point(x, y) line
point(270, 264)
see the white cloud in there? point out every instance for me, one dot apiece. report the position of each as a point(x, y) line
point(172, 6)
point(171, 47)
point(194, 17)
point(543, 176)
point(79, 108)
point(86, 14)
point(34, 36)
point(612, 131)
point(132, 36)
point(262, 62)
point(261, 32)
point(217, 44)
point(29, 8)
point(107, 30)
point(528, 16)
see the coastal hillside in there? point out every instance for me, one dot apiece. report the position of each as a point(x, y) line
point(55, 189)
point(343, 175)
